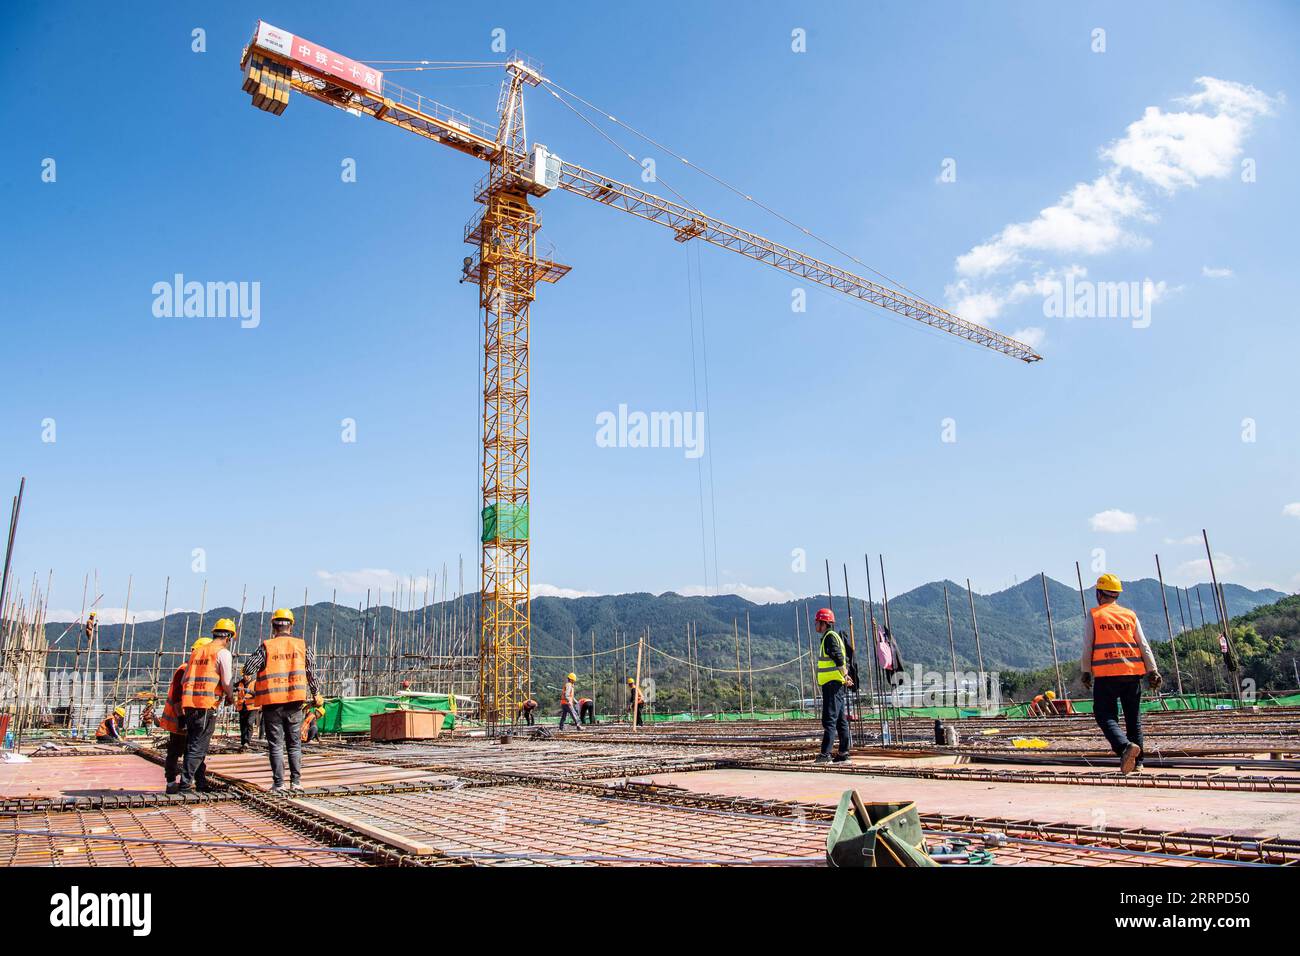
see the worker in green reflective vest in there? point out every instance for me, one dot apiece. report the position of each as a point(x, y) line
point(832, 678)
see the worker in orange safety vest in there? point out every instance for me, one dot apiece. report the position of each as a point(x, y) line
point(1116, 656)
point(283, 680)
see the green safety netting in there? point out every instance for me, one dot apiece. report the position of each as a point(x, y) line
point(505, 521)
point(351, 715)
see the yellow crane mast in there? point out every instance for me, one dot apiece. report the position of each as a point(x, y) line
point(507, 267)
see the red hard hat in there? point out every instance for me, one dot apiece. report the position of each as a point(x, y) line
point(827, 615)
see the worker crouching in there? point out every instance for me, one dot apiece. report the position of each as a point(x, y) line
point(832, 678)
point(1116, 655)
point(110, 728)
point(283, 680)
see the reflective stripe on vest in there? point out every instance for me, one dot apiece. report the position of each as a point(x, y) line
point(200, 687)
point(283, 677)
point(1116, 650)
point(827, 669)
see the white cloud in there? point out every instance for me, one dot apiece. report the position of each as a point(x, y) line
point(550, 590)
point(375, 580)
point(1199, 570)
point(1113, 521)
point(1032, 336)
point(112, 615)
point(1292, 510)
point(1215, 273)
point(756, 594)
point(1187, 540)
point(1162, 152)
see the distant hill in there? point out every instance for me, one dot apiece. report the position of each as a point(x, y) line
point(1012, 623)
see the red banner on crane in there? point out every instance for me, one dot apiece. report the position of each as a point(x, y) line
point(320, 59)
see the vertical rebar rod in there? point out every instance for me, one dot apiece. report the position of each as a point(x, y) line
point(1169, 627)
point(1051, 636)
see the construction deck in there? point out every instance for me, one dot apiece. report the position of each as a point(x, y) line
point(1220, 791)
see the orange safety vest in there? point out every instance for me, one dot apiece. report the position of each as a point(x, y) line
point(200, 689)
point(1116, 650)
point(310, 719)
point(244, 699)
point(566, 692)
point(283, 678)
point(102, 731)
point(170, 720)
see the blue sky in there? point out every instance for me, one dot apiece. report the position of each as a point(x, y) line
point(825, 428)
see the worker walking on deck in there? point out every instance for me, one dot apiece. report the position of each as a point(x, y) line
point(832, 678)
point(568, 702)
point(208, 680)
point(635, 702)
point(250, 714)
point(283, 680)
point(110, 728)
point(1116, 655)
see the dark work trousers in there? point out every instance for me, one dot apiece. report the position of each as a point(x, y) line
point(199, 725)
point(528, 716)
point(176, 754)
point(248, 721)
point(1126, 692)
point(587, 713)
point(283, 724)
point(637, 720)
point(566, 711)
point(835, 717)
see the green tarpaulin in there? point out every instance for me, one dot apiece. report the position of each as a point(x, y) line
point(505, 521)
point(351, 715)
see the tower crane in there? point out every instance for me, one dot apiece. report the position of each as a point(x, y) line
point(507, 267)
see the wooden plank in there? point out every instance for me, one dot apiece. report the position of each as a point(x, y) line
point(320, 808)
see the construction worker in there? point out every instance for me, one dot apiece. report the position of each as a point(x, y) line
point(526, 711)
point(635, 702)
point(586, 710)
point(1115, 657)
point(568, 706)
point(310, 723)
point(1036, 706)
point(208, 681)
point(110, 728)
point(250, 714)
point(283, 679)
point(832, 678)
point(173, 721)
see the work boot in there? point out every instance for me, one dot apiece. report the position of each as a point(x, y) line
point(840, 758)
point(277, 788)
point(823, 758)
point(296, 785)
point(1128, 759)
point(173, 787)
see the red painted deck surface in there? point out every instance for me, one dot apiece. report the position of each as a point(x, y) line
point(80, 777)
point(1256, 814)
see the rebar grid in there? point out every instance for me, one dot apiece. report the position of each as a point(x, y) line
point(203, 834)
point(556, 827)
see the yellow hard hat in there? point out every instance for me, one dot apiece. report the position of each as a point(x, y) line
point(1050, 695)
point(282, 614)
point(120, 711)
point(631, 680)
point(200, 642)
point(225, 624)
point(1108, 582)
point(573, 677)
